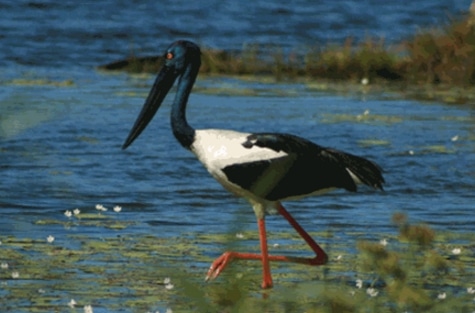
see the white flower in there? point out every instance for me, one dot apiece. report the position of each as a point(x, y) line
point(169, 310)
point(4, 265)
point(471, 290)
point(88, 309)
point(100, 207)
point(68, 213)
point(50, 239)
point(76, 211)
point(239, 236)
point(72, 303)
point(275, 245)
point(339, 257)
point(383, 242)
point(442, 296)
point(365, 81)
point(117, 208)
point(372, 292)
point(168, 284)
point(359, 283)
point(41, 290)
point(456, 251)
point(15, 274)
point(411, 152)
point(455, 138)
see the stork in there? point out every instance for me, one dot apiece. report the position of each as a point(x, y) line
point(264, 168)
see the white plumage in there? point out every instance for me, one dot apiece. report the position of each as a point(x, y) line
point(217, 149)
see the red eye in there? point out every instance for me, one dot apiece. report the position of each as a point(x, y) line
point(169, 56)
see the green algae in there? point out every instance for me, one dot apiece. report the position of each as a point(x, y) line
point(373, 142)
point(365, 117)
point(89, 140)
point(90, 220)
point(436, 149)
point(40, 82)
point(142, 272)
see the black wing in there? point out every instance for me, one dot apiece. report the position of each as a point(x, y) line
point(305, 169)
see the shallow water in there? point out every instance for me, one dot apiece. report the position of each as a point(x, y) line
point(61, 150)
point(62, 125)
point(67, 33)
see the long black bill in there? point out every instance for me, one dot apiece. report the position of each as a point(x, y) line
point(162, 85)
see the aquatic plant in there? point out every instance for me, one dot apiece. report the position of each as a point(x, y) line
point(444, 55)
point(414, 269)
point(441, 59)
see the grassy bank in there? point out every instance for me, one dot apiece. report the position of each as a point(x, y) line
point(436, 59)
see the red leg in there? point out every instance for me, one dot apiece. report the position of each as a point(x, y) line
point(320, 256)
point(267, 278)
point(220, 263)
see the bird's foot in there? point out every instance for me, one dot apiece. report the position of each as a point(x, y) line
point(219, 265)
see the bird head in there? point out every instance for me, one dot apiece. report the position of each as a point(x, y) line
point(180, 57)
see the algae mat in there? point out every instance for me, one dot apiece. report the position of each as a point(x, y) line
point(129, 272)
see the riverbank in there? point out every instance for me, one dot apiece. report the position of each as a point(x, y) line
point(435, 64)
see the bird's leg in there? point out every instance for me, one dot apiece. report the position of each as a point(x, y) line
point(266, 276)
point(320, 255)
point(220, 263)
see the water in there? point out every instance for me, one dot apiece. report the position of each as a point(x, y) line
point(61, 150)
point(68, 34)
point(62, 123)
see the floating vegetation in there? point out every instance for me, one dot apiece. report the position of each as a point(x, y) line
point(373, 142)
point(435, 64)
point(432, 149)
point(40, 82)
point(365, 117)
point(414, 270)
point(97, 219)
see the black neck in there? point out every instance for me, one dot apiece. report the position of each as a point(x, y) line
point(183, 132)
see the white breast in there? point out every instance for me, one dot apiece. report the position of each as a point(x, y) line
point(217, 148)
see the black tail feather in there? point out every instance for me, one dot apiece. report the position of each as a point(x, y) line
point(368, 172)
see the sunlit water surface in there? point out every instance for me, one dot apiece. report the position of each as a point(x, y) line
point(62, 125)
point(61, 139)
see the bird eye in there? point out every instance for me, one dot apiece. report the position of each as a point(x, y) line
point(169, 56)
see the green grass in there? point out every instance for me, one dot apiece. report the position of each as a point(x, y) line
point(435, 64)
point(413, 270)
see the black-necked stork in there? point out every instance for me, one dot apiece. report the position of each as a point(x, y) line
point(264, 168)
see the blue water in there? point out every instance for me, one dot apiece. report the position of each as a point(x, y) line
point(62, 123)
point(70, 34)
point(60, 145)
point(61, 150)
